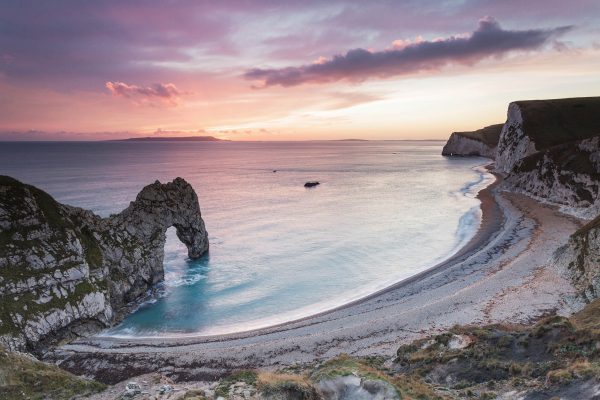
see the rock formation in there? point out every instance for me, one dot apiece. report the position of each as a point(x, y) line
point(482, 142)
point(580, 260)
point(538, 125)
point(548, 149)
point(66, 272)
point(567, 175)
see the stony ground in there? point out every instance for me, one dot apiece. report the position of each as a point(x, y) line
point(554, 358)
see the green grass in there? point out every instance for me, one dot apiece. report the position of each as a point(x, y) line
point(54, 218)
point(194, 395)
point(286, 386)
point(555, 351)
point(557, 121)
point(489, 135)
point(408, 387)
point(247, 376)
point(344, 366)
point(25, 378)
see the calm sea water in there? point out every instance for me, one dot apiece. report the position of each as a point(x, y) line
point(383, 212)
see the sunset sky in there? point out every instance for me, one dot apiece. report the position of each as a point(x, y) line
point(286, 70)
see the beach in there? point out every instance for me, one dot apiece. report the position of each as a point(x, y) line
point(501, 276)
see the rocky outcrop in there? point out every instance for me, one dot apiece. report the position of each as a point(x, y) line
point(547, 149)
point(311, 184)
point(538, 125)
point(567, 175)
point(355, 387)
point(550, 149)
point(580, 260)
point(482, 142)
point(514, 144)
point(66, 272)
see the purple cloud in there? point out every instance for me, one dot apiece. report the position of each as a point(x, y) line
point(71, 45)
point(167, 93)
point(488, 40)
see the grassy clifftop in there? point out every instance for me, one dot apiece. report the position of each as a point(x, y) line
point(556, 121)
point(22, 377)
point(488, 135)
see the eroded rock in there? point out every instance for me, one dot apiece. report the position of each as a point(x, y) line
point(66, 272)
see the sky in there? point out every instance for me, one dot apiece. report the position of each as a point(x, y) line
point(286, 70)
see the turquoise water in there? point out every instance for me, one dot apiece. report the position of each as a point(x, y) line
point(383, 212)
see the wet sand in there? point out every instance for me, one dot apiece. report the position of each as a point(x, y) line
point(502, 275)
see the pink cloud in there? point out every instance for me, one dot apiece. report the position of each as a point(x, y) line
point(163, 93)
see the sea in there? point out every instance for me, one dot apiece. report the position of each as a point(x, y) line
point(383, 211)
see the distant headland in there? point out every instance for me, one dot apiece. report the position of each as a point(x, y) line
point(172, 139)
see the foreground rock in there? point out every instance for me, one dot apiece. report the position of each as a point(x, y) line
point(24, 377)
point(556, 357)
point(482, 142)
point(66, 272)
point(341, 378)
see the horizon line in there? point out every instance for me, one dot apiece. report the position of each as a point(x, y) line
point(216, 141)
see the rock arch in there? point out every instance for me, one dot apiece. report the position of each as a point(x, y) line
point(66, 272)
point(141, 229)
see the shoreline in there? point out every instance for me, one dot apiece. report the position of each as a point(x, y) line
point(491, 222)
point(501, 275)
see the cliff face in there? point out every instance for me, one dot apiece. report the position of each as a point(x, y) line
point(580, 260)
point(514, 144)
point(550, 149)
point(65, 272)
point(567, 175)
point(538, 125)
point(482, 142)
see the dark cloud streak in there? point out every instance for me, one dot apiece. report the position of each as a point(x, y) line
point(488, 40)
point(166, 93)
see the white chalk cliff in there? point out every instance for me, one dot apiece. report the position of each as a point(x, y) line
point(547, 149)
point(579, 259)
point(550, 150)
point(514, 143)
point(482, 142)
